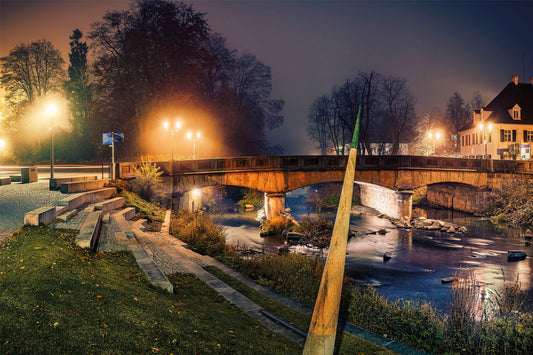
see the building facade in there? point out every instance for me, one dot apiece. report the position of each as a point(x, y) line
point(504, 128)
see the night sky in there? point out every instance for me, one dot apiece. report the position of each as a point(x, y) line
point(439, 47)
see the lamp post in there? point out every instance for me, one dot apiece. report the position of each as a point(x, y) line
point(173, 131)
point(435, 137)
point(486, 133)
point(51, 110)
point(194, 139)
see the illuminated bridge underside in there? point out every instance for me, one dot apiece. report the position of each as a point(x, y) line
point(386, 181)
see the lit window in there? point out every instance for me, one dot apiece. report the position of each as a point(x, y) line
point(507, 135)
point(529, 136)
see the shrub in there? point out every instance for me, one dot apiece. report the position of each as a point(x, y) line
point(297, 276)
point(149, 210)
point(251, 197)
point(277, 225)
point(513, 203)
point(147, 180)
point(199, 232)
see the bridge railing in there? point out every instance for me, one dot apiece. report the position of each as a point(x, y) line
point(331, 162)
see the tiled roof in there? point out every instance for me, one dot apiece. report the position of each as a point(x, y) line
point(511, 95)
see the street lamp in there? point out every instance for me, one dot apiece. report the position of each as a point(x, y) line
point(435, 137)
point(194, 139)
point(51, 111)
point(173, 130)
point(485, 133)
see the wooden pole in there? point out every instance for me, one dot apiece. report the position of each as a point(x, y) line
point(323, 327)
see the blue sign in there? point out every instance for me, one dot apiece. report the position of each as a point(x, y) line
point(117, 137)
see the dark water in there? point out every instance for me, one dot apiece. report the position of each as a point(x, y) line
point(420, 259)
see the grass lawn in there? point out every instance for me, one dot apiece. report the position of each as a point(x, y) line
point(345, 343)
point(55, 297)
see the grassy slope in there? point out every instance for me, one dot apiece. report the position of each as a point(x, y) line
point(345, 343)
point(56, 297)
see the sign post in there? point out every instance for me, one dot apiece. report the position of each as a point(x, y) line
point(110, 139)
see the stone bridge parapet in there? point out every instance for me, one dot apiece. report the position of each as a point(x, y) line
point(277, 175)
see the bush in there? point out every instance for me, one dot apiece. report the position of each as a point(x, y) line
point(149, 210)
point(251, 197)
point(197, 230)
point(147, 180)
point(513, 203)
point(277, 225)
point(297, 276)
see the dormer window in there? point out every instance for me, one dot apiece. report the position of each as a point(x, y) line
point(515, 112)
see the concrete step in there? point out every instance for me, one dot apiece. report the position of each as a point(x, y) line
point(109, 205)
point(81, 186)
point(68, 215)
point(44, 215)
point(128, 212)
point(55, 183)
point(76, 200)
point(89, 232)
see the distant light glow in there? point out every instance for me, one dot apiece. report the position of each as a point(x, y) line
point(2, 143)
point(51, 109)
point(197, 192)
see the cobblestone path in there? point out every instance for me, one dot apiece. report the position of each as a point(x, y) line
point(17, 199)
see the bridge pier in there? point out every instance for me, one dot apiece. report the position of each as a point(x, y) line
point(393, 203)
point(274, 204)
point(191, 200)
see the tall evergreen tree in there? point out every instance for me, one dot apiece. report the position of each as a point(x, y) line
point(79, 92)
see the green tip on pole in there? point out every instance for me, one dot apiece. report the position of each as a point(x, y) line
point(356, 131)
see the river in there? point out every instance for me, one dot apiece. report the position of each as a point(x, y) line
point(420, 259)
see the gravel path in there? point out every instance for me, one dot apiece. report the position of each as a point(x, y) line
point(17, 199)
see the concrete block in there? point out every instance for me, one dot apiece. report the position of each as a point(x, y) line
point(88, 236)
point(123, 225)
point(128, 213)
point(81, 186)
point(56, 183)
point(45, 215)
point(16, 178)
point(110, 205)
point(29, 174)
point(67, 216)
point(5, 181)
point(61, 209)
point(76, 200)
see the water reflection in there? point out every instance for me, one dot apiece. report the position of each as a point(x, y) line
point(420, 259)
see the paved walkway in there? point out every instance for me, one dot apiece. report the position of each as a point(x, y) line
point(17, 199)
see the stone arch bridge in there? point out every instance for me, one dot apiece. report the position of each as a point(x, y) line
point(386, 182)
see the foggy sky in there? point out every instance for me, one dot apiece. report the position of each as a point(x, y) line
point(311, 46)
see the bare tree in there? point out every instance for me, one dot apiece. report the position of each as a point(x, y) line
point(399, 110)
point(31, 71)
point(458, 115)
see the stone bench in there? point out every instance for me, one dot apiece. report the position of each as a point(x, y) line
point(110, 205)
point(56, 183)
point(45, 215)
point(5, 181)
point(76, 200)
point(89, 232)
point(81, 186)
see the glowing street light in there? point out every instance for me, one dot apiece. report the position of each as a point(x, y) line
point(487, 134)
point(435, 137)
point(51, 111)
point(194, 139)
